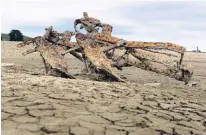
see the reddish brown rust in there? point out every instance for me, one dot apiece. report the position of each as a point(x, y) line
point(95, 55)
point(105, 36)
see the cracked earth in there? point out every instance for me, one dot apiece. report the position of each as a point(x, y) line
point(148, 104)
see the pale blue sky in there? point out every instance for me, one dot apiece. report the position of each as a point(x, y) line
point(183, 23)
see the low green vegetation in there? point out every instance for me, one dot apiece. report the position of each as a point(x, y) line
point(14, 35)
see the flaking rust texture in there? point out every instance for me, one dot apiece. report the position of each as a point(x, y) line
point(106, 39)
point(95, 55)
point(101, 46)
point(35, 41)
point(144, 51)
point(53, 58)
point(66, 39)
point(53, 61)
point(105, 35)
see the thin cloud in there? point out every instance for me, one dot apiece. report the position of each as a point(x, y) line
point(178, 22)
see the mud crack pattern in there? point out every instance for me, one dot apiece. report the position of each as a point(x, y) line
point(36, 105)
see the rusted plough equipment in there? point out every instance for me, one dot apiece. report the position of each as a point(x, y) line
point(102, 51)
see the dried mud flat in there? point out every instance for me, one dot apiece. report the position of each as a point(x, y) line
point(148, 104)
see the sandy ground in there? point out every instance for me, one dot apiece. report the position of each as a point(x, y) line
point(148, 104)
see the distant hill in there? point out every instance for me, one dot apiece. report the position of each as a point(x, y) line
point(5, 37)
